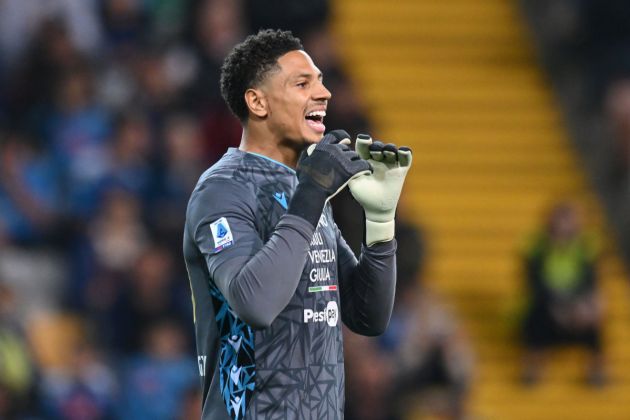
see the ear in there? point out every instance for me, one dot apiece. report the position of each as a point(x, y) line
point(256, 102)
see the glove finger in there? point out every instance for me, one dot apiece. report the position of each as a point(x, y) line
point(404, 156)
point(390, 153)
point(335, 136)
point(376, 151)
point(344, 146)
point(353, 156)
point(362, 145)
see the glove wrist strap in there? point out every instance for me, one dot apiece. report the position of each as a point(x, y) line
point(308, 202)
point(379, 231)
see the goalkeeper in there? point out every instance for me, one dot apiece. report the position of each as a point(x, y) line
point(271, 276)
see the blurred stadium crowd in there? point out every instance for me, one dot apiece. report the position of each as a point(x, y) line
point(109, 112)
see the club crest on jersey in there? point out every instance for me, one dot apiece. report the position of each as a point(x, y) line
point(221, 234)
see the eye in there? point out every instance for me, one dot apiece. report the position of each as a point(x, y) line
point(301, 84)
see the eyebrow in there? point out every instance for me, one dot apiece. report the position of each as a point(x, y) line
point(320, 75)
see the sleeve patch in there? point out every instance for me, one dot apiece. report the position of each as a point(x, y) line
point(221, 234)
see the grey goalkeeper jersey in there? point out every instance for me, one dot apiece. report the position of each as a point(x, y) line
point(270, 292)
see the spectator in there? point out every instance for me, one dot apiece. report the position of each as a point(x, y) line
point(124, 24)
point(133, 152)
point(157, 89)
point(369, 378)
point(118, 235)
point(29, 191)
point(565, 305)
point(423, 353)
point(150, 295)
point(20, 19)
point(167, 19)
point(181, 170)
point(430, 350)
point(32, 86)
point(84, 389)
point(78, 131)
point(105, 251)
point(218, 27)
point(154, 382)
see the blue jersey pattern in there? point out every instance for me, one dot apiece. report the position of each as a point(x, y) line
point(236, 363)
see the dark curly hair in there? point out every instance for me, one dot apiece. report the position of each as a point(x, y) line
point(248, 64)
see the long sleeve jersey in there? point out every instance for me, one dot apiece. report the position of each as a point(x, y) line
point(269, 294)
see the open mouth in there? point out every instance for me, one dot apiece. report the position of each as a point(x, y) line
point(315, 120)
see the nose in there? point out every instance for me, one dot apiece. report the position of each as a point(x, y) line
point(322, 93)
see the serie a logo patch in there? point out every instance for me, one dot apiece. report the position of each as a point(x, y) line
point(221, 234)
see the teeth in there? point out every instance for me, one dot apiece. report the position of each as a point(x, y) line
point(316, 114)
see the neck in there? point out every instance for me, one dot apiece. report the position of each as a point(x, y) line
point(264, 143)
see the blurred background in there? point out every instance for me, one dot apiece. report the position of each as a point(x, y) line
point(512, 297)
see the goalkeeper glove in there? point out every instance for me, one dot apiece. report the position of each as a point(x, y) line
point(324, 170)
point(378, 192)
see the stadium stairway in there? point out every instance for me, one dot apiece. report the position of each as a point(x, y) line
point(459, 83)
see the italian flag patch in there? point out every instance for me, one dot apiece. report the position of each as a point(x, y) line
point(314, 289)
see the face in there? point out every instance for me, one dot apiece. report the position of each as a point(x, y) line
point(565, 222)
point(296, 100)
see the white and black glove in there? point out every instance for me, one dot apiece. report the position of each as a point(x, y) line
point(324, 169)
